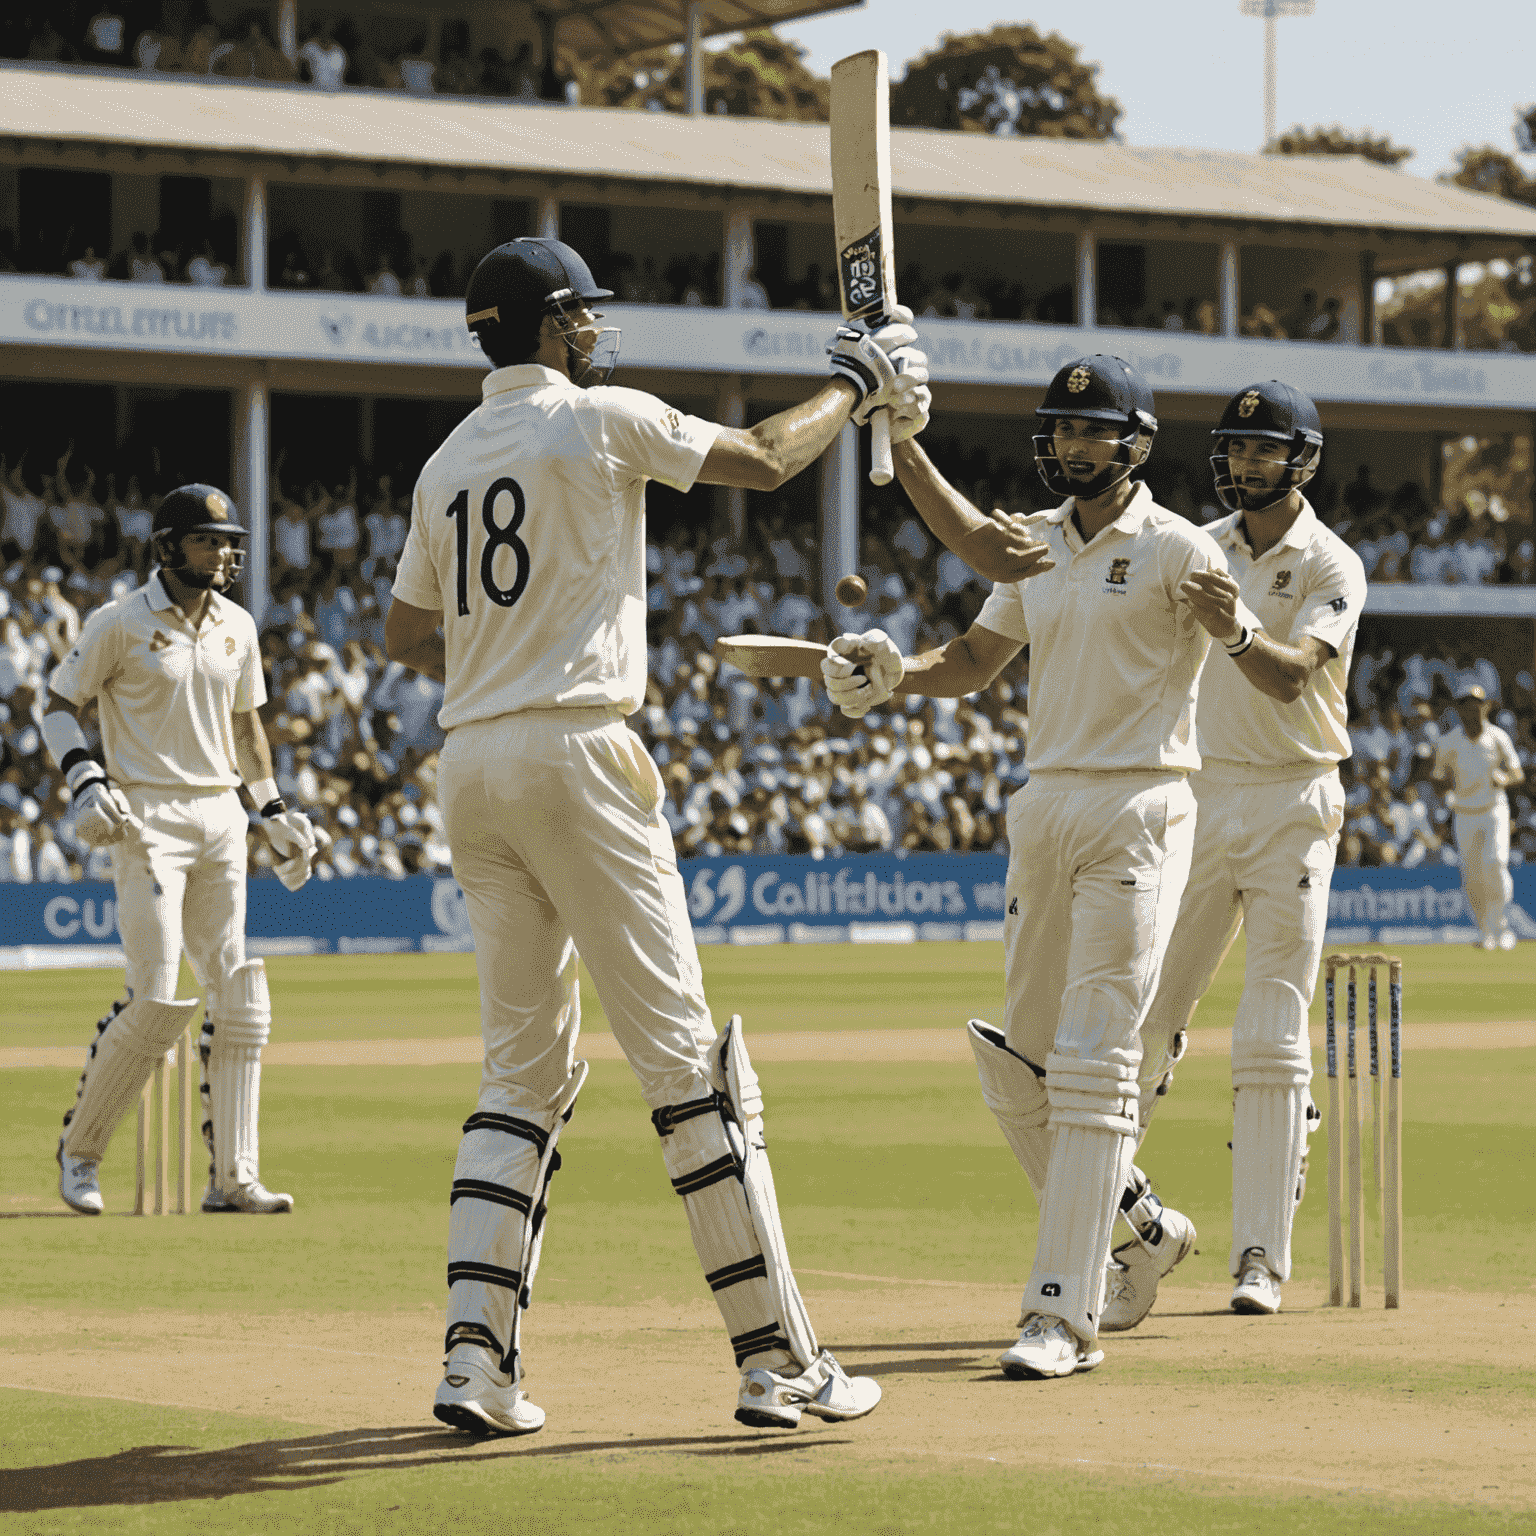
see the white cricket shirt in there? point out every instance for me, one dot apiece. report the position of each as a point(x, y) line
point(528, 534)
point(166, 692)
point(1310, 583)
point(1472, 762)
point(1115, 654)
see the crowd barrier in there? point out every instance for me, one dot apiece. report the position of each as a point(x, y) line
point(879, 899)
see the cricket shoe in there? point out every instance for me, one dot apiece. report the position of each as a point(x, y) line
point(1258, 1289)
point(79, 1186)
point(1488, 943)
point(768, 1400)
point(470, 1398)
point(1047, 1347)
point(253, 1199)
point(1136, 1267)
point(1507, 939)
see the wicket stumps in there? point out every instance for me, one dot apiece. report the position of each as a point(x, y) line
point(155, 1111)
point(1387, 1132)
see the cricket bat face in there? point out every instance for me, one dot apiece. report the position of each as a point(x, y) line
point(861, 185)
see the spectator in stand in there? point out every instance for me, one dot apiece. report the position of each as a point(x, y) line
point(382, 279)
point(416, 69)
point(322, 59)
point(205, 270)
point(143, 267)
point(254, 58)
point(336, 527)
point(88, 267)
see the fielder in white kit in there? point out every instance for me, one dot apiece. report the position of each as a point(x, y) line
point(1272, 733)
point(527, 548)
point(1099, 838)
point(1477, 761)
point(175, 670)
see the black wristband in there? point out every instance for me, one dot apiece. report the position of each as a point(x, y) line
point(73, 756)
point(85, 784)
point(273, 808)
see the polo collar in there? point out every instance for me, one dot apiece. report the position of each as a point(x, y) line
point(1298, 536)
point(160, 600)
point(501, 381)
point(1131, 520)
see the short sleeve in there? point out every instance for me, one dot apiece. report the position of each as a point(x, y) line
point(649, 438)
point(91, 661)
point(1003, 612)
point(251, 692)
point(1334, 600)
point(1445, 761)
point(416, 580)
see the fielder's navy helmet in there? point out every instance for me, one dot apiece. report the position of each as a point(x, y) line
point(196, 508)
point(517, 285)
point(1096, 388)
point(1277, 413)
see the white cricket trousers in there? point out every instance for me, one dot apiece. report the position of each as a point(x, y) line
point(1097, 864)
point(1482, 844)
point(182, 883)
point(1263, 860)
point(558, 842)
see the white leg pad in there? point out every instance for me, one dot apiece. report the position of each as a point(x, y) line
point(240, 1011)
point(717, 1160)
point(119, 1064)
point(1270, 1126)
point(1093, 1126)
point(496, 1225)
point(1269, 1037)
point(1013, 1089)
point(1082, 1198)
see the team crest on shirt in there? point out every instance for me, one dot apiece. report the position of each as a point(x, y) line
point(229, 645)
point(1248, 404)
point(1282, 581)
point(1119, 570)
point(673, 422)
point(159, 642)
point(1079, 380)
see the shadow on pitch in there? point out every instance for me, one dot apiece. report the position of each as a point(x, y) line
point(951, 1357)
point(169, 1474)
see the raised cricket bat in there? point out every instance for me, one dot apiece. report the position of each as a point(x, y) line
point(861, 209)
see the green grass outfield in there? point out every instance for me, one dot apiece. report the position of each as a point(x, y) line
point(889, 1169)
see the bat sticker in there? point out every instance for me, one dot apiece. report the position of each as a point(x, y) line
point(860, 268)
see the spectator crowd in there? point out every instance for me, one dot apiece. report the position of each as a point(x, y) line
point(749, 766)
point(182, 37)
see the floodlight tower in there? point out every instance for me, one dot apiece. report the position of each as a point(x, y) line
point(1269, 10)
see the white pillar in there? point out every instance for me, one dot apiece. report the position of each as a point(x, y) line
point(252, 491)
point(1231, 288)
point(1269, 80)
point(549, 218)
point(693, 61)
point(253, 255)
point(288, 29)
point(1087, 280)
point(740, 253)
point(839, 518)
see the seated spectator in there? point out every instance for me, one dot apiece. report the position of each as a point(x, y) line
point(382, 279)
point(157, 50)
point(323, 61)
point(1324, 326)
point(205, 270)
point(143, 267)
point(88, 267)
point(293, 273)
point(751, 294)
point(416, 69)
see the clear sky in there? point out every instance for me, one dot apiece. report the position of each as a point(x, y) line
point(1434, 74)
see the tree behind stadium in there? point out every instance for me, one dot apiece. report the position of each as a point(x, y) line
point(1009, 81)
point(1338, 141)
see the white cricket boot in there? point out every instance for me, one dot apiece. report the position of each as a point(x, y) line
point(1136, 1266)
point(1258, 1288)
point(1507, 938)
point(480, 1400)
point(1488, 943)
point(79, 1186)
point(769, 1400)
point(1047, 1347)
point(253, 1199)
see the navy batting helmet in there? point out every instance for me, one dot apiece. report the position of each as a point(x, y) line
point(197, 509)
point(1096, 388)
point(517, 285)
point(1273, 412)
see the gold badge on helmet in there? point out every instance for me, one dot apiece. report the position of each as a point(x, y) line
point(1248, 404)
point(1079, 379)
point(218, 504)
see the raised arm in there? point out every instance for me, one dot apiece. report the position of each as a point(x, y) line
point(763, 457)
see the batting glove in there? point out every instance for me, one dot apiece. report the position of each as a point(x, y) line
point(295, 870)
point(911, 401)
point(862, 671)
point(103, 813)
point(853, 355)
point(289, 832)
